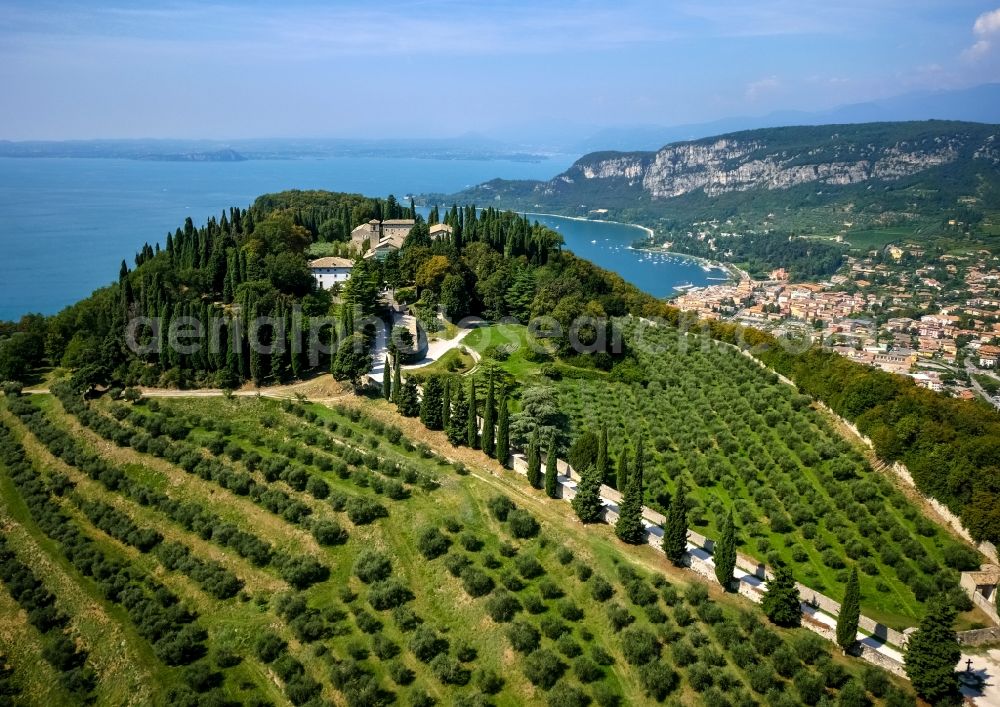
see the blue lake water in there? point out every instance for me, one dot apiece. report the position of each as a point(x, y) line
point(66, 224)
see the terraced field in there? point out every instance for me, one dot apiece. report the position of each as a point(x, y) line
point(802, 495)
point(245, 551)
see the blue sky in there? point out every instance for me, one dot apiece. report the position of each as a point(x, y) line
point(441, 67)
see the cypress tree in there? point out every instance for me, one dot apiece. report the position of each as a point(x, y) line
point(256, 371)
point(432, 403)
point(621, 473)
point(446, 405)
point(629, 527)
point(932, 653)
point(409, 401)
point(781, 602)
point(675, 529)
point(602, 454)
point(397, 383)
point(459, 416)
point(503, 433)
point(472, 423)
point(725, 553)
point(534, 462)
point(587, 501)
point(386, 379)
point(488, 439)
point(850, 613)
point(551, 471)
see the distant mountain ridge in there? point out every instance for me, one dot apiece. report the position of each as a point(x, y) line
point(807, 163)
point(980, 104)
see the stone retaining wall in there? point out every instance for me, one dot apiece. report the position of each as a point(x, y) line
point(978, 637)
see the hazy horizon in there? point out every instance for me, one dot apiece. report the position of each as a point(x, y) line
point(439, 68)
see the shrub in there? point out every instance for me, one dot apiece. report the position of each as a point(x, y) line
point(700, 677)
point(363, 511)
point(528, 566)
point(543, 668)
point(553, 628)
point(372, 566)
point(852, 694)
point(317, 487)
point(502, 606)
point(761, 677)
point(432, 543)
point(658, 680)
point(586, 670)
point(600, 588)
point(833, 673)
point(619, 616)
point(809, 686)
point(329, 532)
point(456, 563)
point(522, 524)
point(564, 695)
point(449, 671)
point(470, 542)
point(786, 662)
point(426, 644)
point(549, 589)
point(567, 646)
point(961, 557)
point(400, 674)
point(810, 647)
point(524, 637)
point(384, 647)
point(488, 681)
point(570, 611)
point(269, 647)
point(476, 582)
point(388, 594)
point(500, 507)
point(605, 695)
point(875, 680)
point(639, 646)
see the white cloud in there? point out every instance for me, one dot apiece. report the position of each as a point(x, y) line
point(986, 26)
point(987, 23)
point(757, 89)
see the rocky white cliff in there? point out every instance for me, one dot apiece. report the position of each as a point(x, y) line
point(730, 164)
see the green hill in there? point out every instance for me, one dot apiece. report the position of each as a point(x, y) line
point(799, 180)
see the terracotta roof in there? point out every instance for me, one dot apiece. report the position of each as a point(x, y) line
point(440, 228)
point(331, 262)
point(398, 222)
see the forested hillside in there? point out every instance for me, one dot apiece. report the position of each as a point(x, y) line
point(775, 183)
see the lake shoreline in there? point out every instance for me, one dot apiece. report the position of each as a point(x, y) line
point(647, 229)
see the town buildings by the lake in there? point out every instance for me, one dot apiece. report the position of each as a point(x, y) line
point(934, 318)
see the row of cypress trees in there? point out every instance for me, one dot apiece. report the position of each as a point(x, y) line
point(444, 405)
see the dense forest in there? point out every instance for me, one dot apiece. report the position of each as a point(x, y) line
point(252, 263)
